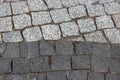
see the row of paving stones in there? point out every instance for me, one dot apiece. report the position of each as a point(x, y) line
point(54, 23)
point(56, 56)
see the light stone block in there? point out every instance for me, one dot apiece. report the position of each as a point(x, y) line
point(116, 19)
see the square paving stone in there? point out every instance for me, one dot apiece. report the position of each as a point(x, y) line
point(68, 3)
point(53, 4)
point(83, 48)
point(64, 48)
point(112, 8)
point(51, 32)
point(104, 22)
point(69, 29)
point(77, 75)
point(12, 50)
point(5, 66)
point(36, 5)
point(56, 76)
point(113, 35)
point(60, 63)
point(77, 11)
point(33, 49)
point(100, 64)
point(95, 10)
point(115, 66)
point(86, 25)
point(5, 9)
point(115, 51)
point(95, 76)
point(60, 15)
point(47, 47)
point(39, 64)
point(13, 36)
point(81, 62)
point(116, 19)
point(87, 2)
point(101, 50)
point(39, 18)
point(112, 77)
point(21, 21)
point(32, 34)
point(35, 76)
point(19, 7)
point(20, 65)
point(95, 37)
point(6, 24)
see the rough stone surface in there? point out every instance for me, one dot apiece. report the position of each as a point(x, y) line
point(69, 29)
point(95, 10)
point(13, 36)
point(112, 77)
point(68, 3)
point(2, 47)
point(35, 76)
point(113, 35)
point(116, 19)
point(112, 8)
point(95, 37)
point(36, 5)
point(5, 9)
point(86, 25)
point(20, 65)
point(81, 62)
point(95, 76)
point(21, 21)
point(77, 11)
point(60, 15)
point(5, 24)
point(15, 77)
point(19, 7)
point(87, 2)
point(60, 63)
point(104, 22)
point(39, 18)
point(32, 34)
point(51, 32)
point(105, 1)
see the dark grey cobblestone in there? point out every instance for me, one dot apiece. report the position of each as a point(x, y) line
point(112, 77)
point(95, 76)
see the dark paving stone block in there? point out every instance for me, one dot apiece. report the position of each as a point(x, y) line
point(5, 66)
point(2, 48)
point(39, 64)
point(20, 65)
point(112, 77)
point(115, 51)
point(80, 62)
point(100, 64)
point(115, 66)
point(64, 48)
point(12, 50)
point(95, 76)
point(35, 76)
point(56, 76)
point(101, 50)
point(84, 48)
point(77, 75)
point(61, 63)
point(33, 49)
point(23, 49)
point(47, 48)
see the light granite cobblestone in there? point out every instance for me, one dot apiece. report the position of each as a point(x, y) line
point(87, 2)
point(104, 22)
point(19, 7)
point(39, 18)
point(5, 24)
point(105, 1)
point(116, 19)
point(21, 21)
point(51, 32)
point(32, 34)
point(69, 29)
point(86, 25)
point(77, 11)
point(68, 3)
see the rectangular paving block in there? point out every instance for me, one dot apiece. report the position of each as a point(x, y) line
point(81, 62)
point(39, 64)
point(20, 65)
point(95, 76)
point(5, 66)
point(68, 3)
point(60, 63)
point(15, 76)
point(88, 2)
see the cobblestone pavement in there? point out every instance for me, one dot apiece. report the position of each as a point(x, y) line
point(59, 60)
point(79, 20)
